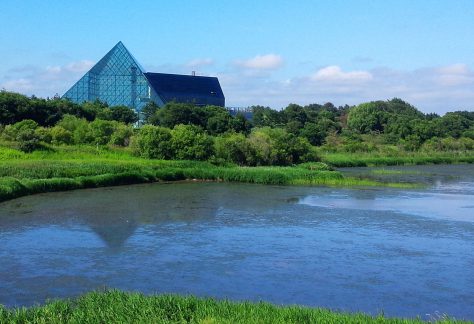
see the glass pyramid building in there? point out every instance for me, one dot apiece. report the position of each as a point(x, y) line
point(118, 79)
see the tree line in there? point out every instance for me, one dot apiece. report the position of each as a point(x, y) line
point(184, 131)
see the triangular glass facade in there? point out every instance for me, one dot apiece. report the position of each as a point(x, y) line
point(116, 79)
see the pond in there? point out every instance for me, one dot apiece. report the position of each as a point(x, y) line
point(397, 251)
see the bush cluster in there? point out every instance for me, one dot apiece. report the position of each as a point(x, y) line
point(271, 137)
point(68, 131)
point(264, 146)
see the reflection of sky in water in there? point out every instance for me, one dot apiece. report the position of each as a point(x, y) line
point(453, 179)
point(444, 206)
point(356, 250)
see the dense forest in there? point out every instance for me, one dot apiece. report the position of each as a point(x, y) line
point(292, 135)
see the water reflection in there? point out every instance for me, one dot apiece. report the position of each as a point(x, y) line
point(373, 249)
point(445, 206)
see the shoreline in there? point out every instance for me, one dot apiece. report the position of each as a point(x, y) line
point(71, 168)
point(12, 188)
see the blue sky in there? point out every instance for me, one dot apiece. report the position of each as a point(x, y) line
point(264, 52)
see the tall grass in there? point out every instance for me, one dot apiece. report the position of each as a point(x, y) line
point(69, 167)
point(376, 159)
point(121, 307)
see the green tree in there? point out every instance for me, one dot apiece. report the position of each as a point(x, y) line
point(295, 113)
point(265, 116)
point(173, 114)
point(13, 107)
point(240, 124)
point(123, 114)
point(454, 124)
point(148, 112)
point(217, 119)
point(368, 117)
point(190, 142)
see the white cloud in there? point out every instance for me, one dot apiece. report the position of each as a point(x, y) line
point(431, 89)
point(18, 85)
point(261, 62)
point(454, 75)
point(80, 66)
point(434, 89)
point(46, 81)
point(335, 74)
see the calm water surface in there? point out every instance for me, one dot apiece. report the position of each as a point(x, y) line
point(403, 252)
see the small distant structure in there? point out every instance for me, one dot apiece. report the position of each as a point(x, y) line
point(247, 112)
point(118, 79)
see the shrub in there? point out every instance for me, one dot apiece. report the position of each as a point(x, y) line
point(467, 143)
point(274, 146)
point(23, 133)
point(234, 148)
point(60, 135)
point(189, 142)
point(121, 135)
point(152, 142)
point(101, 130)
point(11, 132)
point(27, 140)
point(44, 134)
point(79, 128)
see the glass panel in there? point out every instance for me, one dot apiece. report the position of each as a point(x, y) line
point(116, 79)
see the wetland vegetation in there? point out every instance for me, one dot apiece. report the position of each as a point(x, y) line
point(121, 307)
point(55, 145)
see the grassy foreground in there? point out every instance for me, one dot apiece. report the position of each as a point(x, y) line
point(121, 307)
point(72, 167)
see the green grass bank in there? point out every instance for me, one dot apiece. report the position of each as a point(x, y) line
point(120, 307)
point(341, 160)
point(74, 167)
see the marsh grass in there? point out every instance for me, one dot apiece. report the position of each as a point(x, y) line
point(77, 167)
point(375, 159)
point(121, 307)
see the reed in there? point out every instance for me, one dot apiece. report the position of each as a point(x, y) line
point(121, 307)
point(68, 168)
point(375, 159)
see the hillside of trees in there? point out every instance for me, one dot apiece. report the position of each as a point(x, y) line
point(292, 135)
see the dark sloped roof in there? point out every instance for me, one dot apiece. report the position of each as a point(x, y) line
point(187, 88)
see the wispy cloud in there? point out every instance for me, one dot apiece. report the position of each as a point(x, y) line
point(251, 82)
point(261, 62)
point(44, 81)
point(434, 89)
point(334, 74)
point(455, 75)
